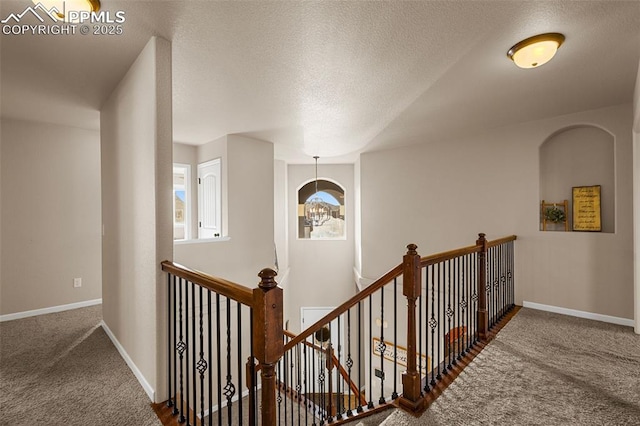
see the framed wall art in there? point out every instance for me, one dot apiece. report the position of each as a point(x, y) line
point(586, 208)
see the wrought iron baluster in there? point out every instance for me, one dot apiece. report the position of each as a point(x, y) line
point(174, 343)
point(299, 381)
point(202, 364)
point(181, 346)
point(338, 381)
point(169, 342)
point(210, 370)
point(239, 337)
point(305, 384)
point(439, 320)
point(456, 306)
point(284, 386)
point(229, 388)
point(279, 368)
point(370, 403)
point(426, 388)
point(474, 297)
point(382, 347)
point(449, 314)
point(457, 300)
point(349, 362)
point(219, 357)
point(419, 350)
point(313, 385)
point(193, 356)
point(394, 395)
point(433, 323)
point(360, 326)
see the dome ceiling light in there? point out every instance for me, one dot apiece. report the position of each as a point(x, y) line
point(63, 6)
point(535, 51)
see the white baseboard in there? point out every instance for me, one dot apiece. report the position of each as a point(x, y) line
point(50, 310)
point(136, 371)
point(579, 314)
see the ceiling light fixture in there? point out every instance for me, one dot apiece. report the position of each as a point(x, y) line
point(62, 7)
point(535, 51)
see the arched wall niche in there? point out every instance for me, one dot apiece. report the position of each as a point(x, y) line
point(581, 155)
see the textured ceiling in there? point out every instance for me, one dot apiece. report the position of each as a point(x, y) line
point(334, 78)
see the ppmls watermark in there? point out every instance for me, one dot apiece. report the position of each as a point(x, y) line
point(65, 22)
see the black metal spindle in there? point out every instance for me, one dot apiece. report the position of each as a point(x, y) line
point(338, 381)
point(210, 352)
point(382, 347)
point(184, 339)
point(219, 357)
point(299, 381)
point(229, 388)
point(279, 368)
point(349, 362)
point(313, 383)
point(202, 364)
point(394, 395)
point(193, 357)
point(187, 411)
point(174, 343)
point(239, 381)
point(285, 386)
point(360, 325)
point(433, 323)
point(426, 388)
point(453, 338)
point(370, 403)
point(169, 343)
point(457, 302)
point(305, 384)
point(449, 315)
point(181, 346)
point(439, 321)
point(330, 390)
point(420, 350)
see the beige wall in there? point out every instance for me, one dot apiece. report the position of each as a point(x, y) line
point(136, 143)
point(441, 194)
point(321, 271)
point(247, 181)
point(50, 179)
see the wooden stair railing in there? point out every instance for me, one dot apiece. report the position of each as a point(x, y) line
point(454, 302)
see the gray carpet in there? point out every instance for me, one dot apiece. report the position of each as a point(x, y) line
point(543, 369)
point(62, 369)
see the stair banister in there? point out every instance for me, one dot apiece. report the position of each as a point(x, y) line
point(411, 288)
point(483, 314)
point(267, 338)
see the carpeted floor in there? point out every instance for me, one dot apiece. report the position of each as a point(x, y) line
point(62, 369)
point(543, 369)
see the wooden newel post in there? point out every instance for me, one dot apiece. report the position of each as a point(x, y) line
point(483, 315)
point(268, 338)
point(411, 282)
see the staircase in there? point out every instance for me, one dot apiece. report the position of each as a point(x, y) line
point(396, 344)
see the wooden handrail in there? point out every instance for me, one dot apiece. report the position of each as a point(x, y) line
point(448, 255)
point(385, 279)
point(359, 297)
point(501, 241)
point(451, 254)
point(221, 286)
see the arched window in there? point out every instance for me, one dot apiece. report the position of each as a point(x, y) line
point(321, 213)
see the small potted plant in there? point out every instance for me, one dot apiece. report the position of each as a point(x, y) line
point(555, 214)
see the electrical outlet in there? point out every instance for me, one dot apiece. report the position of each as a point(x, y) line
point(77, 282)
